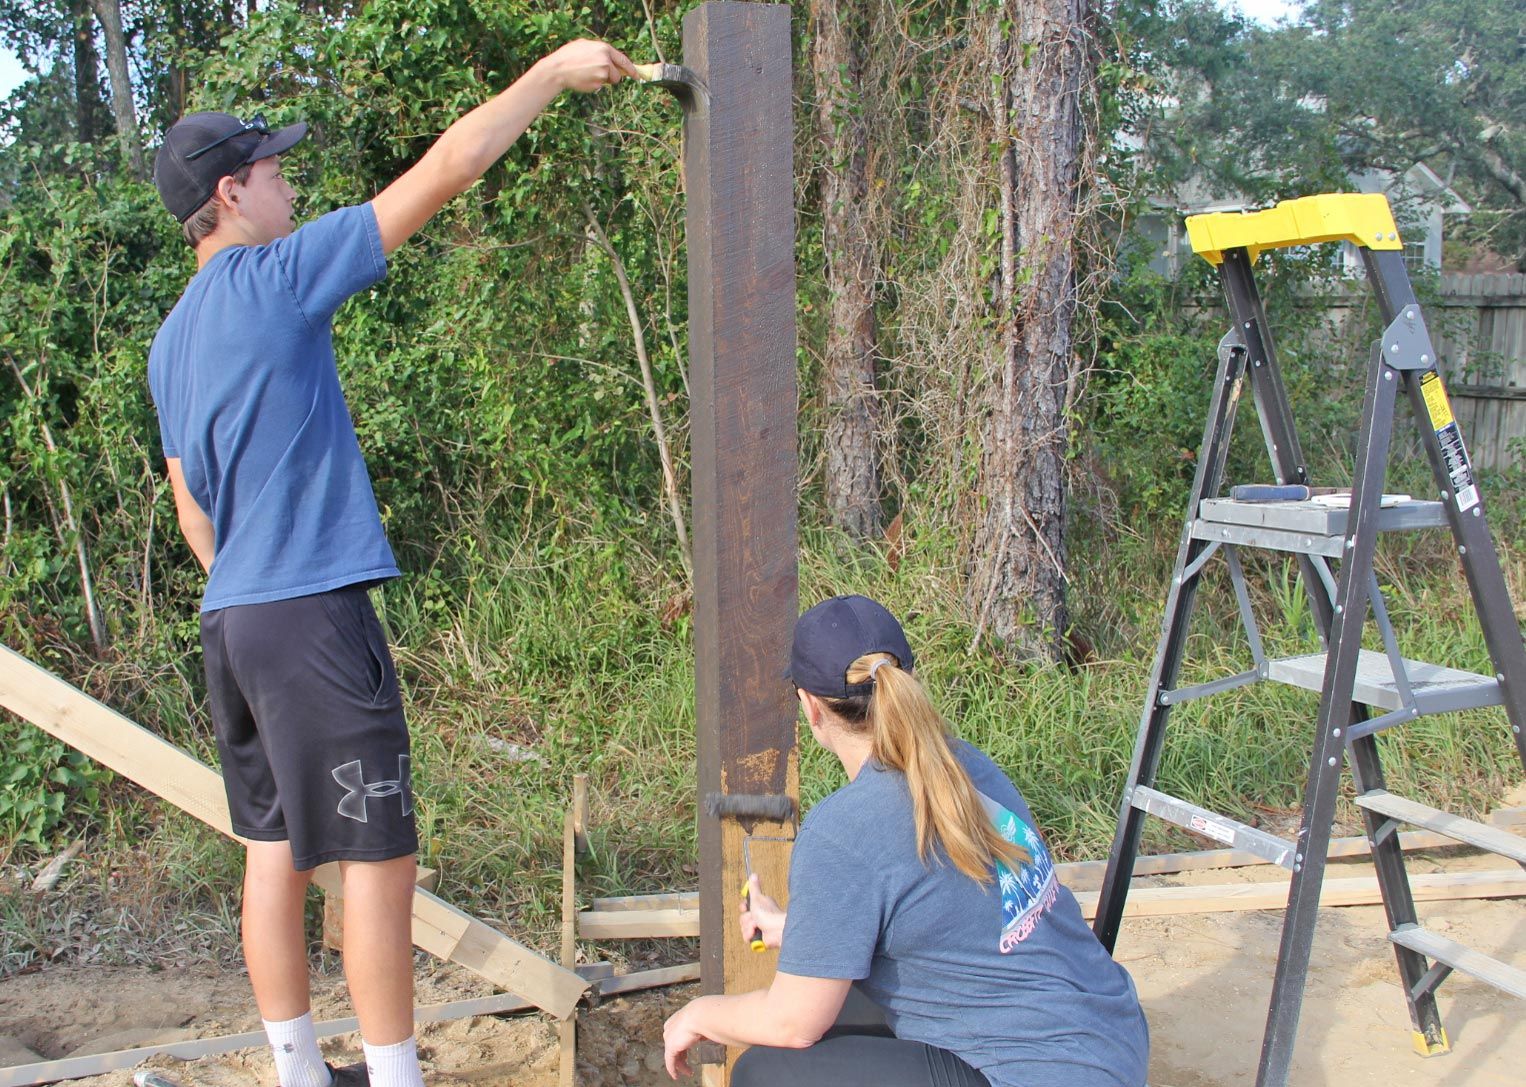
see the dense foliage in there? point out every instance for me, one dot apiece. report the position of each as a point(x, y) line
point(493, 381)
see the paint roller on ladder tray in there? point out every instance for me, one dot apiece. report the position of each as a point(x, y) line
point(775, 807)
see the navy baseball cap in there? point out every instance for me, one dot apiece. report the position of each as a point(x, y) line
point(201, 149)
point(834, 634)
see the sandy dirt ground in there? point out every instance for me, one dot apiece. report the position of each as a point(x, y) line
point(1204, 979)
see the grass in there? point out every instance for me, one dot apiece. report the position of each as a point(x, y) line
point(551, 661)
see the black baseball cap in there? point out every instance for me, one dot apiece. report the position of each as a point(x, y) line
point(834, 634)
point(201, 149)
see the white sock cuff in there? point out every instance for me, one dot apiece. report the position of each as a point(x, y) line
point(294, 1045)
point(287, 1030)
point(395, 1065)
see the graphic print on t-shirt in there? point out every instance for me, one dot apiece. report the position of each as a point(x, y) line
point(1028, 892)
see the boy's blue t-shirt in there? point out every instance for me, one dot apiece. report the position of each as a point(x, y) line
point(244, 380)
point(1008, 977)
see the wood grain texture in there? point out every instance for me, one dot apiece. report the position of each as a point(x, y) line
point(638, 924)
point(738, 160)
point(1478, 326)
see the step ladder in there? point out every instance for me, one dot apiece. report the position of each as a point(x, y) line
point(1362, 691)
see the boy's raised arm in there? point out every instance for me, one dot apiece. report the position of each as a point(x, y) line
point(467, 148)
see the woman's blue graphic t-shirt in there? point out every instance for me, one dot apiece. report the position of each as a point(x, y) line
point(244, 380)
point(1007, 976)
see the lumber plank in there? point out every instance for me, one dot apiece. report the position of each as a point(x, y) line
point(649, 979)
point(67, 713)
point(661, 920)
point(687, 900)
point(637, 924)
point(64, 711)
point(1273, 894)
point(1083, 873)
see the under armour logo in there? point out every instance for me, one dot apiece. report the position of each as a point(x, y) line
point(358, 790)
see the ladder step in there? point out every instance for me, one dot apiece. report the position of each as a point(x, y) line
point(1314, 517)
point(1501, 975)
point(1220, 828)
point(1485, 837)
point(1437, 689)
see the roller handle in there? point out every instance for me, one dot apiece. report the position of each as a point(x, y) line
point(756, 940)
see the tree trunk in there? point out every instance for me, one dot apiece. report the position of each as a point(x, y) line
point(109, 12)
point(838, 47)
point(88, 106)
point(1040, 65)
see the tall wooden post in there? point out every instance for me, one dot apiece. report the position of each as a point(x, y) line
point(738, 161)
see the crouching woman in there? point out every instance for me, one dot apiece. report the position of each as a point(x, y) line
point(923, 883)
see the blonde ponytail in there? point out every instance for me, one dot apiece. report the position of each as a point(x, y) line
point(910, 735)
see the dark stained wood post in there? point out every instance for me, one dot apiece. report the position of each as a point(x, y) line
point(738, 161)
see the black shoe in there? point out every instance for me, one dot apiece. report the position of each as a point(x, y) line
point(351, 1075)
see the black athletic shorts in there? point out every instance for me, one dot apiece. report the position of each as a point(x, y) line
point(310, 727)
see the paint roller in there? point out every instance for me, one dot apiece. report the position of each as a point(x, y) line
point(774, 807)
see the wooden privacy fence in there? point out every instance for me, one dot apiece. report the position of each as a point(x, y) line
point(1483, 346)
point(1478, 324)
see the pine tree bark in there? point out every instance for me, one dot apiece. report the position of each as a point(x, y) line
point(89, 109)
point(1041, 65)
point(109, 12)
point(838, 48)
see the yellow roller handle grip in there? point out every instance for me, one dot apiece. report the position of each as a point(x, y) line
point(756, 943)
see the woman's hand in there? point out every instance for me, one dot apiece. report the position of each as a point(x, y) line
point(586, 65)
point(678, 1034)
point(762, 914)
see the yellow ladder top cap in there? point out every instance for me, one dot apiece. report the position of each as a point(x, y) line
point(1362, 219)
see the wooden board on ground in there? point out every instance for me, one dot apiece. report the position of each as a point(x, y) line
point(1273, 894)
point(1088, 874)
point(62, 710)
point(638, 924)
point(633, 917)
point(619, 924)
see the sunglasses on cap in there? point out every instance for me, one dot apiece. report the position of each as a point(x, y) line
point(254, 124)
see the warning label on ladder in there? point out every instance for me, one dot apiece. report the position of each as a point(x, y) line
point(1449, 435)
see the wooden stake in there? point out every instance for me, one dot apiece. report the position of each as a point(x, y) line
point(567, 1029)
point(580, 813)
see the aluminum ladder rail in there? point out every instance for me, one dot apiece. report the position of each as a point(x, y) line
point(1352, 682)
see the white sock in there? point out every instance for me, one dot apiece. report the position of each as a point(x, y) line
point(395, 1065)
point(294, 1044)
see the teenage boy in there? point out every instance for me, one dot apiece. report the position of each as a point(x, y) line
point(275, 501)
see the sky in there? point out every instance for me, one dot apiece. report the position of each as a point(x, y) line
point(1266, 12)
point(10, 72)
